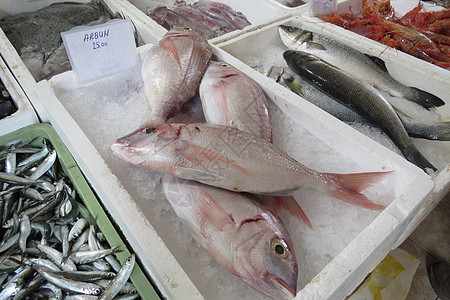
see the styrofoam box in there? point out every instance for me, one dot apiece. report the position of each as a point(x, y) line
point(25, 114)
point(424, 75)
point(257, 12)
point(89, 120)
point(404, 68)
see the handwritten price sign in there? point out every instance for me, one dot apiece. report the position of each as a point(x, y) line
point(102, 50)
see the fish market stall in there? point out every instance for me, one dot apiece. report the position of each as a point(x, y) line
point(16, 110)
point(293, 124)
point(340, 241)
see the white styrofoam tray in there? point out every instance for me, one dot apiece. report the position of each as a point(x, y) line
point(402, 67)
point(25, 114)
point(84, 121)
point(258, 13)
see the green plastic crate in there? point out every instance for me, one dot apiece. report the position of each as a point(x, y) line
point(70, 167)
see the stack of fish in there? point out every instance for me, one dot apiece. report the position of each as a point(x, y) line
point(210, 166)
point(37, 35)
point(210, 19)
point(330, 71)
point(7, 106)
point(50, 246)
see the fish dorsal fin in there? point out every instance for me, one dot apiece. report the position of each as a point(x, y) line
point(206, 159)
point(288, 203)
point(378, 61)
point(315, 46)
point(168, 45)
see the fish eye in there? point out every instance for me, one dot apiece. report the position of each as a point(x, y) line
point(148, 130)
point(291, 28)
point(279, 247)
point(97, 291)
point(187, 28)
point(225, 65)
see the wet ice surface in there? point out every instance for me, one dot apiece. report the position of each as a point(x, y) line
point(112, 107)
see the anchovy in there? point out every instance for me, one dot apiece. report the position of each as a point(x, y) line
point(119, 281)
point(357, 94)
point(77, 228)
point(83, 257)
point(71, 285)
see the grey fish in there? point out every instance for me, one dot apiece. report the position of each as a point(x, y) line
point(36, 35)
point(354, 62)
point(415, 128)
point(357, 94)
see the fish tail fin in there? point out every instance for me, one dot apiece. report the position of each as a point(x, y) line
point(414, 156)
point(288, 203)
point(424, 99)
point(348, 187)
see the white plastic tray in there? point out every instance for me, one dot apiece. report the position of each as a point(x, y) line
point(126, 196)
point(25, 114)
point(258, 13)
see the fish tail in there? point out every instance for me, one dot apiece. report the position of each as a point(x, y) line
point(414, 156)
point(423, 98)
point(348, 187)
point(288, 203)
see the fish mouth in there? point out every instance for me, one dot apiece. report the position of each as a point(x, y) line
point(229, 75)
point(291, 289)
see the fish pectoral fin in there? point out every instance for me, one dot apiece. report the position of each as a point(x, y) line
point(207, 159)
point(220, 97)
point(378, 61)
point(197, 175)
point(289, 204)
point(213, 213)
point(315, 46)
point(167, 44)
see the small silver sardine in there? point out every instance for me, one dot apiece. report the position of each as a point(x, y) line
point(353, 62)
point(232, 159)
point(70, 285)
point(239, 232)
point(172, 71)
point(120, 280)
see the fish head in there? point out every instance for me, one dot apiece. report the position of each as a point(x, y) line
point(297, 58)
point(183, 32)
point(294, 37)
point(220, 71)
point(144, 143)
point(264, 257)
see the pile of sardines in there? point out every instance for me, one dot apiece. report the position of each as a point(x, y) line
point(50, 247)
point(7, 106)
point(210, 19)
